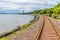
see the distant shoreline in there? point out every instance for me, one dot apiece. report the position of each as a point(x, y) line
point(17, 13)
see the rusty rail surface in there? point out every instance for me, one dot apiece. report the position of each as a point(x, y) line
point(56, 25)
point(43, 29)
point(31, 33)
point(49, 32)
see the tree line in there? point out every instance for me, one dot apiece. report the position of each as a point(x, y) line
point(49, 11)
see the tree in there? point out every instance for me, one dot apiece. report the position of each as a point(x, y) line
point(35, 12)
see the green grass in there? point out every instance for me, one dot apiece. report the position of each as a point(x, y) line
point(18, 31)
point(3, 38)
point(58, 17)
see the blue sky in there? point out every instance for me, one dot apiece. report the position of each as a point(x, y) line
point(17, 6)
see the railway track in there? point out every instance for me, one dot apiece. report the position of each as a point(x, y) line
point(56, 25)
point(49, 32)
point(43, 29)
point(31, 33)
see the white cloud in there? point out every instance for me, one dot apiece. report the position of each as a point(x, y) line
point(11, 6)
point(26, 4)
point(8, 5)
point(16, 0)
point(52, 2)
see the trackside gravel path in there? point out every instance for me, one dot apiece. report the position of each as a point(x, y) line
point(49, 32)
point(31, 33)
point(43, 29)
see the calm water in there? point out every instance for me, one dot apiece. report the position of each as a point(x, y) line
point(9, 22)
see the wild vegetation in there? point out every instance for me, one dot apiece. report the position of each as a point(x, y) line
point(52, 12)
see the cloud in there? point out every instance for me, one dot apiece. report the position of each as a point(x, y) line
point(27, 5)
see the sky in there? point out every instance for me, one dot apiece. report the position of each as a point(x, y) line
point(17, 6)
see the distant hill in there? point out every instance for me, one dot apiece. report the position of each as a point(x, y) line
point(56, 9)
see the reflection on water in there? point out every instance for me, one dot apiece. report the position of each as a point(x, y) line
point(9, 22)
